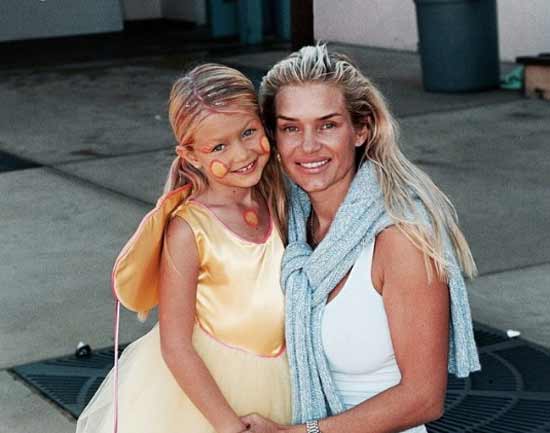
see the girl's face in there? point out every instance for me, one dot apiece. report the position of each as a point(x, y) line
point(231, 149)
point(315, 136)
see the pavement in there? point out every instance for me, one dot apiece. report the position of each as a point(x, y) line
point(99, 133)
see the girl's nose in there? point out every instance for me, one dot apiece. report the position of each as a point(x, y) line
point(241, 151)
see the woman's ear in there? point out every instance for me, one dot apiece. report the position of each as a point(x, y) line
point(187, 153)
point(361, 134)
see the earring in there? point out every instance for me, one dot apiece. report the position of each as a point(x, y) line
point(278, 157)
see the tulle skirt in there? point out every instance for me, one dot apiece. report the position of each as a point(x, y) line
point(151, 401)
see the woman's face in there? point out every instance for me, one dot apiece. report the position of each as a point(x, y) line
point(315, 136)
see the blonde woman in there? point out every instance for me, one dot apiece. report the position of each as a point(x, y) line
point(209, 255)
point(376, 307)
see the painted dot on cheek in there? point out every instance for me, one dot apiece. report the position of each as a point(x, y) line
point(218, 168)
point(251, 218)
point(264, 142)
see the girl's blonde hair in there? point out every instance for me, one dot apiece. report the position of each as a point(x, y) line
point(212, 88)
point(399, 178)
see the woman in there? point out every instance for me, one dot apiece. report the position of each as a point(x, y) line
point(375, 301)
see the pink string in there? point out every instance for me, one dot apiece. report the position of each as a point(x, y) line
point(115, 387)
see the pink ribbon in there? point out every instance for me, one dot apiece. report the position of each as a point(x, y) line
point(115, 387)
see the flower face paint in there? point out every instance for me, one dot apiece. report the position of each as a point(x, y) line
point(251, 218)
point(218, 168)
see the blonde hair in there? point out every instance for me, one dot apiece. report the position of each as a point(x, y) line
point(399, 178)
point(213, 88)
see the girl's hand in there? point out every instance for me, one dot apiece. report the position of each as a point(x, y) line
point(259, 424)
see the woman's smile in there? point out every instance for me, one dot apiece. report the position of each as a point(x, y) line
point(314, 166)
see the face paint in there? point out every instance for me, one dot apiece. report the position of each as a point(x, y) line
point(218, 168)
point(264, 142)
point(251, 218)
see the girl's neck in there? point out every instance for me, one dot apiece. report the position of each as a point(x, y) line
point(222, 195)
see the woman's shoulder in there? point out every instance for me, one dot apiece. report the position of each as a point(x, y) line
point(397, 258)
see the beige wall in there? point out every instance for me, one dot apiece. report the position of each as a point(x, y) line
point(377, 23)
point(524, 26)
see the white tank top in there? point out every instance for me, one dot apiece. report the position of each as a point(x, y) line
point(356, 338)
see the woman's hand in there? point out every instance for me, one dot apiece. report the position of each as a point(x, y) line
point(259, 424)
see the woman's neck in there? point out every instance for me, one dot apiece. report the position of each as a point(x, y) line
point(325, 204)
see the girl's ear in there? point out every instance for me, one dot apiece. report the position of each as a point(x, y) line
point(187, 153)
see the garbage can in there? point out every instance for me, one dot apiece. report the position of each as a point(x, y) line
point(458, 44)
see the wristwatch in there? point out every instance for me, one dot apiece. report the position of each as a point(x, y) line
point(312, 427)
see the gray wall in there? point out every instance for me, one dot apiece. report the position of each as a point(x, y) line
point(29, 19)
point(189, 10)
point(142, 9)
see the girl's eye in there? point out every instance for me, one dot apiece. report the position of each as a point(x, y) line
point(328, 125)
point(218, 148)
point(249, 132)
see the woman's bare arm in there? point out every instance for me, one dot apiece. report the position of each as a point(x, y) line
point(418, 317)
point(177, 297)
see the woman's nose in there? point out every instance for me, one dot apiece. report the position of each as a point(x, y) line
point(310, 143)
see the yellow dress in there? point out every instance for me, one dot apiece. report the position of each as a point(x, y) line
point(239, 334)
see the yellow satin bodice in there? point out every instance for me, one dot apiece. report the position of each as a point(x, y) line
point(239, 297)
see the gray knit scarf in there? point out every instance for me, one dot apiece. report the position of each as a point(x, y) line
point(309, 276)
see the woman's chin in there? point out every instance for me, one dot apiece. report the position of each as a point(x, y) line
point(312, 186)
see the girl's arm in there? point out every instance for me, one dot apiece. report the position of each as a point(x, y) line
point(177, 297)
point(418, 317)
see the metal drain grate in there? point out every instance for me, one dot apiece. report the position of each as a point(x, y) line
point(10, 162)
point(510, 395)
point(70, 382)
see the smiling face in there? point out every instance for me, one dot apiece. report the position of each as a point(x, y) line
point(316, 137)
point(229, 148)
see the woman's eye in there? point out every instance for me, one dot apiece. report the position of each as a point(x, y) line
point(328, 125)
point(218, 148)
point(289, 129)
point(249, 132)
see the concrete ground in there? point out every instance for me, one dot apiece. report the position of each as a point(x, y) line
point(100, 132)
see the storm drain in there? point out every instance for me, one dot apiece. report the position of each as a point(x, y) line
point(510, 395)
point(9, 162)
point(70, 382)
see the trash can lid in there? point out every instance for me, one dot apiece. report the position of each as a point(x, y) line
point(543, 59)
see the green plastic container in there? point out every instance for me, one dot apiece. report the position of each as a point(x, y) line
point(458, 44)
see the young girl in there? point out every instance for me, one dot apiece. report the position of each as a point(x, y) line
point(209, 255)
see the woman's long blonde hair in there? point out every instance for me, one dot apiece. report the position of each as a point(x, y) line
point(213, 88)
point(399, 178)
